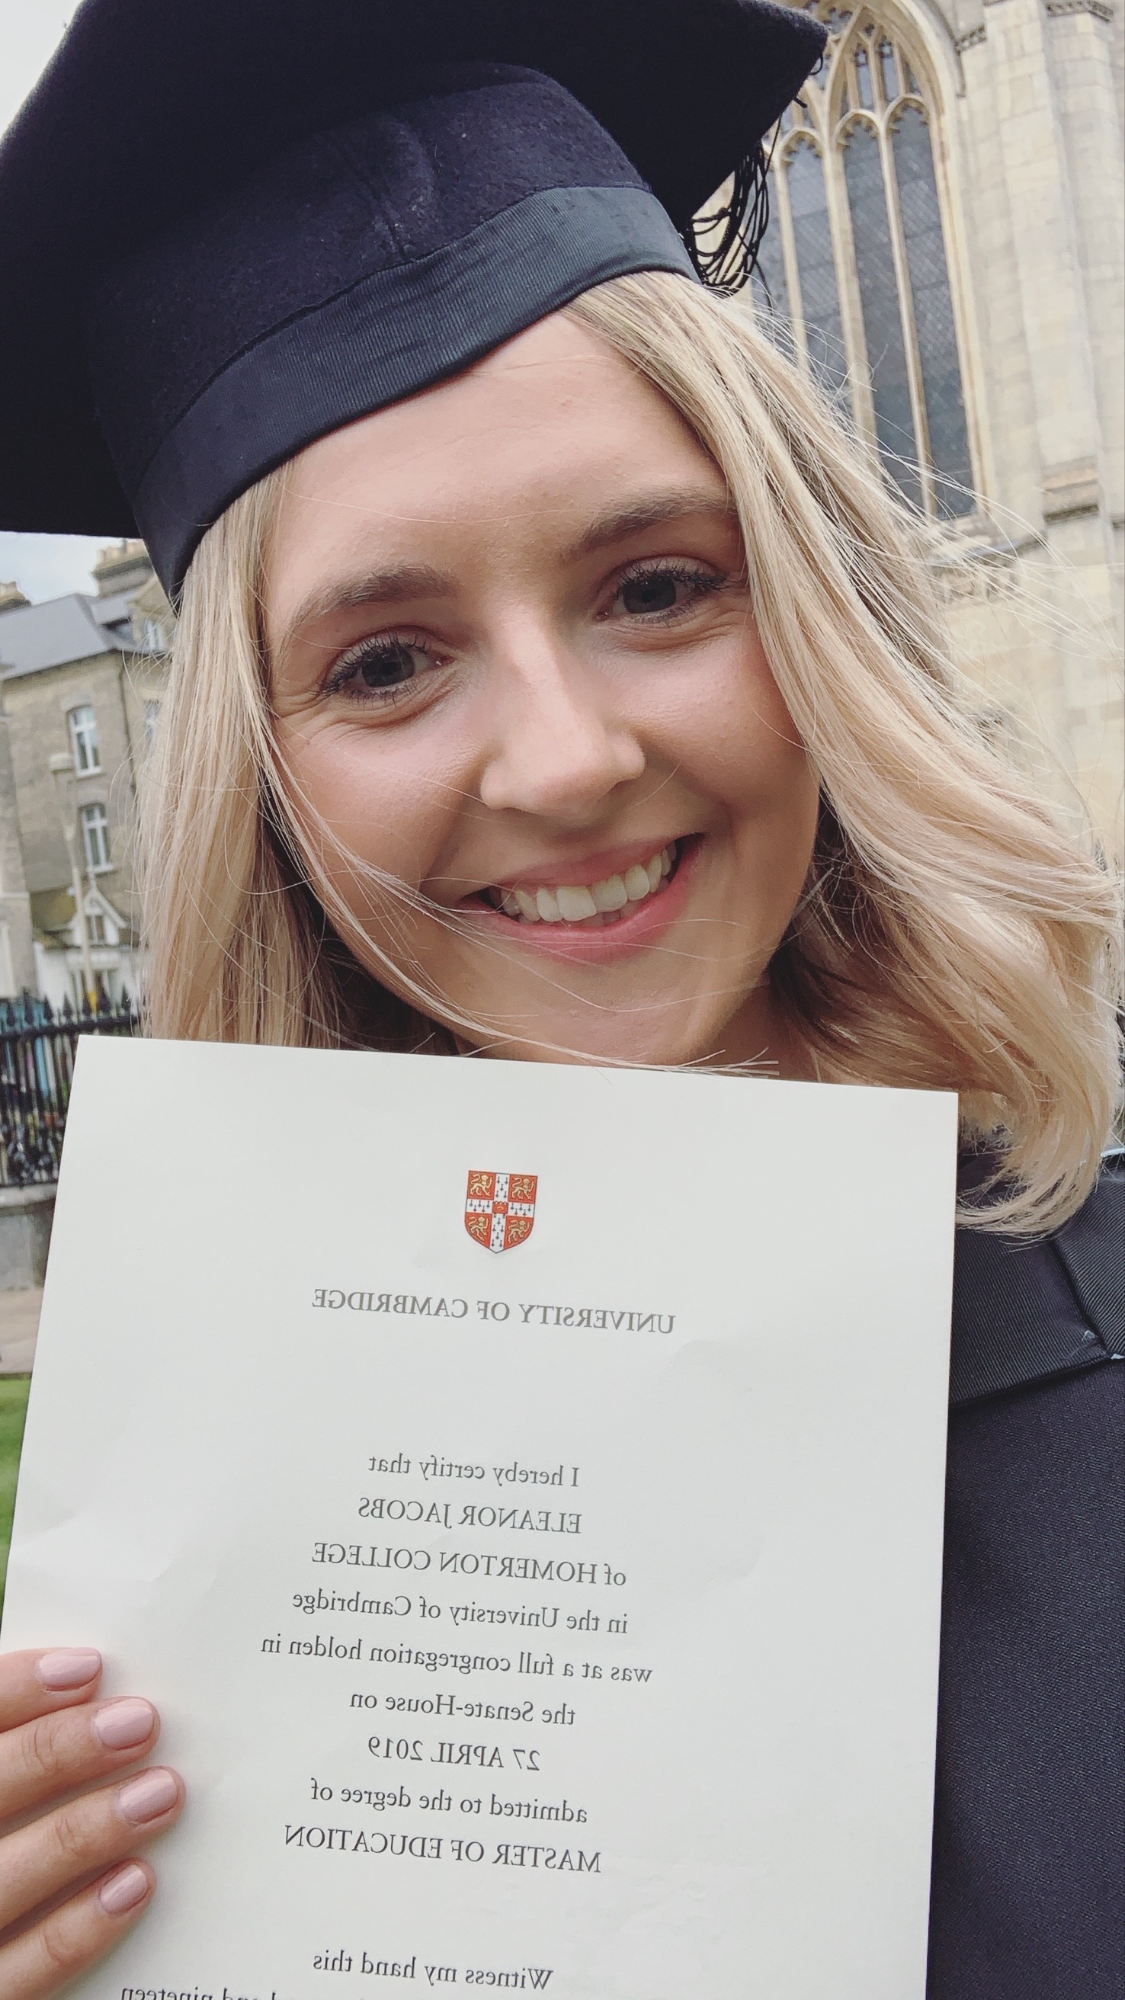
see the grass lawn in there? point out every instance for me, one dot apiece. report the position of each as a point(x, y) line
point(13, 1409)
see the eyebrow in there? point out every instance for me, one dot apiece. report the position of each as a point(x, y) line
point(385, 586)
point(649, 511)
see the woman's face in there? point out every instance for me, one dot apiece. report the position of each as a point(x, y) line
point(514, 666)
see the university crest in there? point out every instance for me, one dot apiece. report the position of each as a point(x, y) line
point(500, 1209)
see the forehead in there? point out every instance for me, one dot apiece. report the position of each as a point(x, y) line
point(538, 434)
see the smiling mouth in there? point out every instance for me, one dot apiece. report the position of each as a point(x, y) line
point(588, 905)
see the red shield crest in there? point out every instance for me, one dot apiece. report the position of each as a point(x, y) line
point(500, 1209)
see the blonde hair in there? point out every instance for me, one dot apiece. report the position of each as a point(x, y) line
point(952, 933)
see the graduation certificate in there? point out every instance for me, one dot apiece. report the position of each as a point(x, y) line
point(519, 1487)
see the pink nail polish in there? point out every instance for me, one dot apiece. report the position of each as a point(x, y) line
point(124, 1890)
point(146, 1797)
point(67, 1669)
point(121, 1725)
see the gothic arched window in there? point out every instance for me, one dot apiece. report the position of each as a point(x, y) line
point(853, 276)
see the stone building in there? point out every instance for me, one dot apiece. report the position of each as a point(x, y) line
point(17, 955)
point(81, 681)
point(946, 250)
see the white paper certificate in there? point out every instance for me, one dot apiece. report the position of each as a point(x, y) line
point(520, 1488)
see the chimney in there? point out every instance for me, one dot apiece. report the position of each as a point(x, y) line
point(11, 596)
point(123, 566)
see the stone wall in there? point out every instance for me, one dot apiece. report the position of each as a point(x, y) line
point(1035, 162)
point(36, 706)
point(26, 1215)
point(17, 957)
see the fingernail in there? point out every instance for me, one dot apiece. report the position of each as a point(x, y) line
point(68, 1669)
point(121, 1725)
point(146, 1797)
point(124, 1890)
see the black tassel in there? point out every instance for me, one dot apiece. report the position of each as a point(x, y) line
point(724, 243)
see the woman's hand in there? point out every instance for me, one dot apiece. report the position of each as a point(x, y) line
point(76, 1861)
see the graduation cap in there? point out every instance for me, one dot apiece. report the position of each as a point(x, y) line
point(228, 227)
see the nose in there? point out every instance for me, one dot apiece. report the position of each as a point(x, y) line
point(558, 748)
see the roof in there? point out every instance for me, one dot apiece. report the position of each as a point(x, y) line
point(77, 627)
point(52, 914)
point(114, 613)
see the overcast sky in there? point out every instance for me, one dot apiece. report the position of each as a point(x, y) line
point(29, 30)
point(43, 565)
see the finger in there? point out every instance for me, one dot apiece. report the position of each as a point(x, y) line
point(55, 1753)
point(37, 1683)
point(76, 1935)
point(43, 1859)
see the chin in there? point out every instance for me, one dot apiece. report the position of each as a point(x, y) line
point(609, 1037)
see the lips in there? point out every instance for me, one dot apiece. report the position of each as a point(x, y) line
point(608, 935)
point(593, 905)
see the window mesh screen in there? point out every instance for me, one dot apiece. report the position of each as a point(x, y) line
point(816, 265)
point(882, 319)
point(769, 289)
point(933, 311)
point(878, 169)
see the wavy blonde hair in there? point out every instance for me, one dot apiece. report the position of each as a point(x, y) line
point(952, 935)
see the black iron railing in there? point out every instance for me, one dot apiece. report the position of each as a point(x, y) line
point(36, 1065)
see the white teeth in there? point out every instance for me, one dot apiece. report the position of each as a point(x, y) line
point(574, 904)
point(610, 894)
point(593, 905)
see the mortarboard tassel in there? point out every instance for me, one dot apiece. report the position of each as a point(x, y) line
point(723, 243)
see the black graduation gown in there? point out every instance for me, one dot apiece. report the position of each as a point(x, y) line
point(1029, 1841)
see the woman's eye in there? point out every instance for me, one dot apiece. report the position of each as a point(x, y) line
point(650, 593)
point(385, 667)
point(390, 665)
point(665, 592)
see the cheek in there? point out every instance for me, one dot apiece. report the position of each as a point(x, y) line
point(743, 749)
point(390, 810)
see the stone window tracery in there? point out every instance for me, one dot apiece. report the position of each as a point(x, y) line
point(853, 276)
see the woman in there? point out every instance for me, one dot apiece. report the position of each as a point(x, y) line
point(555, 679)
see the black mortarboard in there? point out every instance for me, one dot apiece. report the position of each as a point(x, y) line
point(228, 227)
